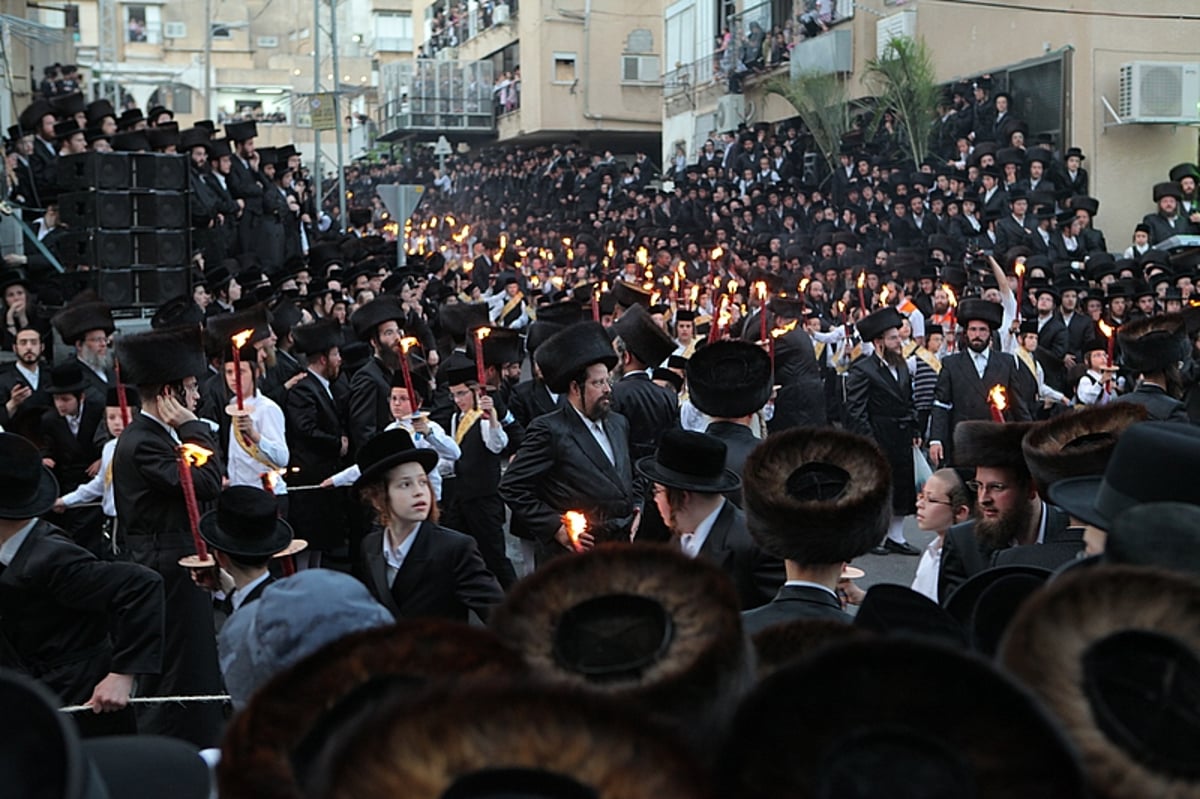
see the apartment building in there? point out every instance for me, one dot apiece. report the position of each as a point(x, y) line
point(1120, 81)
point(530, 71)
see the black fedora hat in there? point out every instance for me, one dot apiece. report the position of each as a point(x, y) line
point(388, 449)
point(690, 461)
point(1135, 474)
point(66, 378)
point(246, 524)
point(986, 603)
point(27, 488)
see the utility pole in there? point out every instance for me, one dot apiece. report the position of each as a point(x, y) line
point(316, 45)
point(208, 103)
point(106, 52)
point(337, 114)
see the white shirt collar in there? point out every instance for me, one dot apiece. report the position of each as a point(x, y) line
point(9, 550)
point(239, 594)
point(394, 556)
point(31, 377)
point(807, 584)
point(324, 383)
point(692, 543)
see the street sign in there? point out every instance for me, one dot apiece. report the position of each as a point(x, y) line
point(442, 147)
point(400, 199)
point(321, 109)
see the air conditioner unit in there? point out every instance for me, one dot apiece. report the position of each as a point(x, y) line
point(174, 30)
point(1161, 92)
point(640, 69)
point(731, 111)
point(267, 41)
point(897, 26)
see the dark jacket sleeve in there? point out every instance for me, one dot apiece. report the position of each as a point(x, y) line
point(943, 394)
point(301, 414)
point(857, 387)
point(518, 487)
point(362, 425)
point(475, 586)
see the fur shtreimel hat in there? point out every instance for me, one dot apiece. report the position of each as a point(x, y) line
point(1114, 653)
point(729, 379)
point(628, 294)
point(1077, 444)
point(817, 497)
point(527, 741)
point(456, 319)
point(645, 340)
point(571, 350)
point(76, 320)
point(267, 740)
point(639, 622)
point(221, 329)
point(978, 735)
point(1153, 344)
point(161, 357)
point(991, 444)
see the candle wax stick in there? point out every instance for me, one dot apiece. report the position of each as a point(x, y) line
point(193, 509)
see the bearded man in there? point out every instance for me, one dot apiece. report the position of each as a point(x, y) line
point(1009, 512)
point(377, 323)
point(88, 326)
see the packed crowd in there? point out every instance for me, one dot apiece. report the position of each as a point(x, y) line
point(567, 502)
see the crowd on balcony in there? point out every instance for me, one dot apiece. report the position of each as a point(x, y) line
point(749, 47)
point(455, 23)
point(507, 91)
point(59, 80)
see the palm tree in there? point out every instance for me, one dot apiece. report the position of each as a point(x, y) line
point(904, 82)
point(821, 101)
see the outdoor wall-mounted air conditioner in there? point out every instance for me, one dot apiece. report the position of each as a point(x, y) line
point(1160, 92)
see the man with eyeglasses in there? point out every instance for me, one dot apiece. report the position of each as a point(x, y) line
point(88, 326)
point(575, 458)
point(1009, 511)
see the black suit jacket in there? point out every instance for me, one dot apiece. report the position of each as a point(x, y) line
point(1053, 345)
point(756, 575)
point(97, 389)
point(650, 409)
point(964, 556)
point(561, 467)
point(794, 602)
point(530, 399)
point(314, 432)
point(739, 443)
point(369, 410)
point(960, 395)
point(72, 454)
point(880, 407)
point(1160, 405)
point(58, 606)
point(443, 576)
point(10, 377)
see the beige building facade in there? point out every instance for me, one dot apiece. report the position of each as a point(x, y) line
point(1063, 62)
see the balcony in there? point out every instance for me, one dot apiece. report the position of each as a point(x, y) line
point(452, 28)
point(428, 98)
point(830, 52)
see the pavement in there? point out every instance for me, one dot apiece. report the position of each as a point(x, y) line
point(898, 569)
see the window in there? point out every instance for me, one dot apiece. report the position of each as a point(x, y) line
point(640, 69)
point(143, 24)
point(175, 30)
point(394, 32)
point(564, 68)
point(220, 30)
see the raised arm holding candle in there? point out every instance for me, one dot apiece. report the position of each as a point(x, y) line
point(239, 340)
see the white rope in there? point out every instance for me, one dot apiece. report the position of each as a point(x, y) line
point(155, 700)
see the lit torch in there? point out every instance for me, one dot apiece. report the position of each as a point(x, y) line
point(998, 401)
point(405, 345)
point(1020, 270)
point(576, 524)
point(480, 335)
point(952, 298)
point(239, 341)
point(862, 281)
point(717, 253)
point(1108, 332)
point(189, 455)
point(760, 290)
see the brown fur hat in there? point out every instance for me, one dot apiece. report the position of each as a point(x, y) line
point(991, 444)
point(1153, 344)
point(681, 653)
point(504, 741)
point(628, 294)
point(960, 726)
point(784, 644)
point(817, 496)
point(1048, 647)
point(78, 318)
point(257, 753)
point(1077, 444)
point(160, 357)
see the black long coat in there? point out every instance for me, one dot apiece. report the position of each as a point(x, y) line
point(561, 467)
point(155, 533)
point(801, 398)
point(739, 443)
point(370, 412)
point(68, 619)
point(961, 396)
point(756, 575)
point(880, 407)
point(529, 400)
point(314, 433)
point(794, 602)
point(650, 408)
point(443, 576)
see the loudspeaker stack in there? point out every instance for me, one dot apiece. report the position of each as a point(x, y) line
point(130, 221)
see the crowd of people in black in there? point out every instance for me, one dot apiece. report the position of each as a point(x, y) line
point(556, 487)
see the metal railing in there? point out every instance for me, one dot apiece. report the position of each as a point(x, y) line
point(431, 94)
point(463, 24)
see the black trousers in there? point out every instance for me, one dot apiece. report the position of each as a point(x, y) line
point(482, 518)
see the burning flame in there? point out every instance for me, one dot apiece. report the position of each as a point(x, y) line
point(407, 343)
point(481, 333)
point(803, 286)
point(450, 220)
point(610, 249)
point(732, 286)
point(695, 295)
point(1105, 329)
point(433, 222)
point(998, 398)
point(724, 319)
point(566, 241)
point(950, 293)
point(883, 295)
point(643, 257)
point(270, 478)
point(783, 330)
point(1020, 267)
point(862, 279)
point(240, 339)
point(717, 253)
point(760, 290)
point(194, 454)
point(576, 524)
point(655, 297)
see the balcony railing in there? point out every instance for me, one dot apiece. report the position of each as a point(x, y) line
point(429, 96)
point(459, 25)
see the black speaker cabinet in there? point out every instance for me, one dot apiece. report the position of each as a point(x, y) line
point(161, 172)
point(117, 287)
point(116, 210)
point(120, 249)
point(101, 171)
point(149, 286)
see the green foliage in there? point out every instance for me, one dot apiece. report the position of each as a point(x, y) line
point(905, 82)
point(822, 101)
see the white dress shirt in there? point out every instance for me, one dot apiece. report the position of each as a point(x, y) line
point(269, 422)
point(437, 440)
point(99, 487)
point(692, 543)
point(30, 377)
point(8, 550)
point(393, 557)
point(926, 580)
point(238, 598)
point(597, 431)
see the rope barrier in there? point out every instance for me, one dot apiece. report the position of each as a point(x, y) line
point(155, 700)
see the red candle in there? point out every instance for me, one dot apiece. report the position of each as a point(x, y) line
point(997, 401)
point(596, 304)
point(1108, 332)
point(480, 335)
point(405, 344)
point(187, 454)
point(714, 330)
point(122, 401)
point(762, 310)
point(862, 281)
point(1020, 269)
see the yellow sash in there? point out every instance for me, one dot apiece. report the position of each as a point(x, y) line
point(930, 359)
point(909, 349)
point(516, 300)
point(464, 425)
point(108, 475)
point(819, 349)
point(251, 449)
point(1024, 357)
